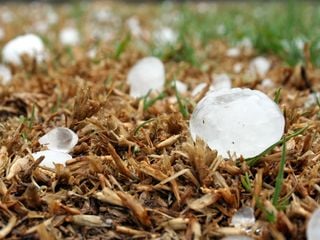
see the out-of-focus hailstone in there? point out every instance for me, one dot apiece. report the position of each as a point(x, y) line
point(147, 74)
point(28, 44)
point(260, 66)
point(69, 36)
point(233, 52)
point(199, 88)
point(180, 86)
point(312, 99)
point(59, 139)
point(241, 121)
point(237, 67)
point(51, 157)
point(221, 81)
point(5, 74)
point(133, 24)
point(165, 35)
point(243, 218)
point(313, 226)
point(267, 83)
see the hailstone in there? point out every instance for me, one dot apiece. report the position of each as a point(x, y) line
point(52, 157)
point(260, 66)
point(5, 74)
point(59, 139)
point(28, 44)
point(147, 74)
point(241, 121)
point(69, 36)
point(243, 218)
point(313, 226)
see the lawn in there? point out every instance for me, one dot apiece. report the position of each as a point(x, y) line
point(130, 167)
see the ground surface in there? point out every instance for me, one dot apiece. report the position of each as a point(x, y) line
point(136, 172)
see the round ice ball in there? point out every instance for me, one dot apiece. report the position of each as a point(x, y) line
point(242, 121)
point(28, 44)
point(69, 36)
point(59, 139)
point(147, 74)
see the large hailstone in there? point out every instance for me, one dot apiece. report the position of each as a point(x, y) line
point(242, 121)
point(59, 139)
point(147, 74)
point(28, 44)
point(313, 226)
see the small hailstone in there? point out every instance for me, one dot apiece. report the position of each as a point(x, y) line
point(312, 99)
point(165, 35)
point(69, 36)
point(243, 218)
point(181, 87)
point(237, 67)
point(313, 226)
point(5, 74)
point(134, 26)
point(59, 139)
point(260, 66)
point(52, 157)
point(147, 74)
point(267, 83)
point(199, 88)
point(28, 44)
point(221, 29)
point(245, 43)
point(233, 52)
point(221, 81)
point(2, 33)
point(92, 53)
point(241, 121)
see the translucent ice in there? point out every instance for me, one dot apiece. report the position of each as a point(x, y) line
point(59, 139)
point(69, 36)
point(233, 52)
point(313, 226)
point(243, 218)
point(241, 121)
point(51, 157)
point(181, 86)
point(28, 44)
point(147, 74)
point(165, 35)
point(5, 74)
point(221, 81)
point(260, 66)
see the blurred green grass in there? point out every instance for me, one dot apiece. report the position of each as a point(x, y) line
point(280, 28)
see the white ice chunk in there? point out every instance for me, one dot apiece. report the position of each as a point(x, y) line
point(221, 81)
point(165, 35)
point(181, 86)
point(69, 36)
point(241, 121)
point(260, 66)
point(233, 52)
point(51, 157)
point(237, 68)
point(147, 74)
point(267, 83)
point(59, 139)
point(133, 24)
point(2, 33)
point(28, 44)
point(313, 226)
point(312, 99)
point(243, 218)
point(5, 74)
point(199, 88)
